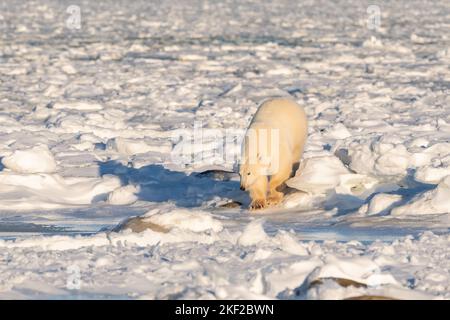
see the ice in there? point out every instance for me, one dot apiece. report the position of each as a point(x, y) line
point(51, 191)
point(131, 147)
point(38, 159)
point(123, 195)
point(327, 179)
point(318, 175)
point(380, 203)
point(78, 105)
point(430, 202)
point(432, 174)
point(192, 220)
point(261, 269)
point(92, 119)
point(253, 234)
point(361, 270)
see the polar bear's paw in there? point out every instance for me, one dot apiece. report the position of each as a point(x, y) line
point(274, 198)
point(258, 204)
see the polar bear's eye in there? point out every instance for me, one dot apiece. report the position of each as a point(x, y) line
point(248, 173)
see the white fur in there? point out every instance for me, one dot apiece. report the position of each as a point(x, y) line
point(274, 142)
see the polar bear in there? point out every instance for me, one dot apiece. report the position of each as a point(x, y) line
point(273, 144)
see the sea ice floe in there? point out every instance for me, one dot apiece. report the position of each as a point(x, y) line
point(362, 270)
point(124, 195)
point(37, 159)
point(136, 146)
point(253, 234)
point(319, 175)
point(385, 103)
point(435, 201)
point(184, 219)
point(389, 156)
point(432, 174)
point(51, 191)
point(78, 105)
point(379, 203)
point(339, 131)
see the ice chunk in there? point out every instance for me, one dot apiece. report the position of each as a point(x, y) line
point(135, 146)
point(318, 174)
point(380, 203)
point(192, 220)
point(253, 234)
point(123, 195)
point(78, 105)
point(38, 159)
point(430, 202)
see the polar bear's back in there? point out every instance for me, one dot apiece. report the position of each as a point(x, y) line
point(287, 116)
point(283, 114)
point(281, 110)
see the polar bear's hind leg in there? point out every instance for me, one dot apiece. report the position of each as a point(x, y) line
point(277, 180)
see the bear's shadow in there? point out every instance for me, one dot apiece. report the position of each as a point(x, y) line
point(158, 184)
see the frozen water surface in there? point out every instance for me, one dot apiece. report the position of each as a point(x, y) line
point(88, 116)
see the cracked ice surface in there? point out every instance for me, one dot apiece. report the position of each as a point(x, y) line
point(88, 116)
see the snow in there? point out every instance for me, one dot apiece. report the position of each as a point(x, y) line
point(380, 203)
point(434, 201)
point(77, 105)
point(131, 147)
point(123, 195)
point(122, 125)
point(38, 159)
point(192, 220)
point(51, 191)
point(253, 234)
point(318, 175)
point(215, 263)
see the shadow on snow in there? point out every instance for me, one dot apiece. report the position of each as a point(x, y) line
point(158, 184)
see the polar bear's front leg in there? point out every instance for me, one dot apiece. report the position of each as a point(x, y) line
point(277, 180)
point(258, 193)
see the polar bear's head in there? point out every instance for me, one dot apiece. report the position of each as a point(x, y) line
point(249, 174)
point(257, 159)
point(253, 172)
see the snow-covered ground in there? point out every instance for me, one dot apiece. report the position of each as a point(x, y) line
point(96, 117)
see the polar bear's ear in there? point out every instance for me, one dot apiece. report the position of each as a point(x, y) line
point(264, 160)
